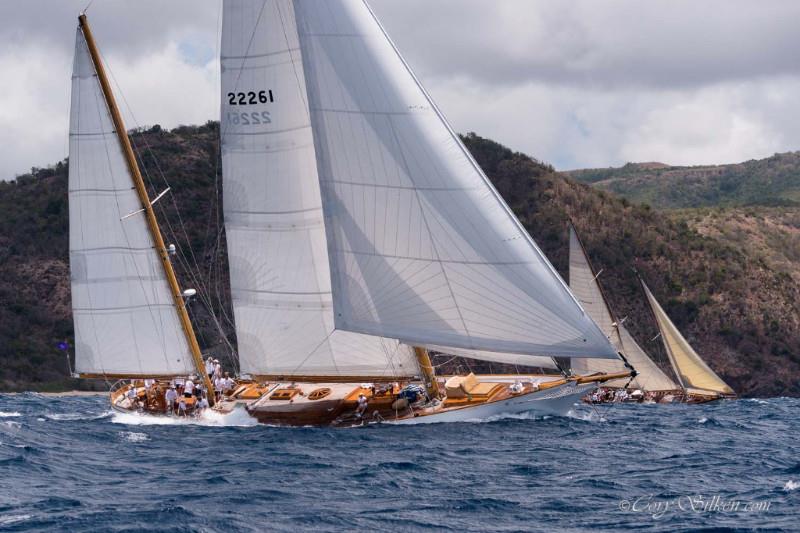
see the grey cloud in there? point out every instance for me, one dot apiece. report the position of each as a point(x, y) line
point(597, 44)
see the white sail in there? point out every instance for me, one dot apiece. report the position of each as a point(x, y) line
point(583, 283)
point(692, 371)
point(498, 357)
point(280, 278)
point(650, 377)
point(586, 288)
point(422, 247)
point(124, 315)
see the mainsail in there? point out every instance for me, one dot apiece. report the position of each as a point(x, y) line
point(692, 371)
point(280, 277)
point(584, 285)
point(125, 318)
point(422, 247)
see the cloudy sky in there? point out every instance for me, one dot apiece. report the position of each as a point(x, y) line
point(578, 83)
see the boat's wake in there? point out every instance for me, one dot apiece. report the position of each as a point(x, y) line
point(236, 418)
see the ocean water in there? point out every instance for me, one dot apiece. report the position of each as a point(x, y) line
point(70, 464)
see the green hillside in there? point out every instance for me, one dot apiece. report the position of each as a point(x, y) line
point(774, 181)
point(739, 311)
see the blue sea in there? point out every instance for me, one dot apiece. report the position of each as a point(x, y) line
point(70, 464)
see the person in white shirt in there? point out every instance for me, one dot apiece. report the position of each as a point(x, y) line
point(217, 368)
point(362, 405)
point(227, 383)
point(170, 396)
point(210, 366)
point(188, 388)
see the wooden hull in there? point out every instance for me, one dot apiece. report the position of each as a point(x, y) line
point(337, 404)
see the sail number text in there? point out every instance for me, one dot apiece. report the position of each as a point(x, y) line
point(250, 98)
point(249, 118)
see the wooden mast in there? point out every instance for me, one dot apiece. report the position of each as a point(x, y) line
point(152, 222)
point(428, 375)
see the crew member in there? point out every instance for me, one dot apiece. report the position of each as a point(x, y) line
point(188, 388)
point(170, 396)
point(362, 405)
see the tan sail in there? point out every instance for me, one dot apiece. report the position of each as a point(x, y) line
point(692, 371)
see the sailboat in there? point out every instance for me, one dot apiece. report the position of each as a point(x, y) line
point(584, 283)
point(361, 234)
point(698, 381)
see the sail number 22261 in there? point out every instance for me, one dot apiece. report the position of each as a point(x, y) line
point(250, 98)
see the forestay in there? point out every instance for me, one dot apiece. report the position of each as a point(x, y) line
point(125, 318)
point(280, 278)
point(691, 370)
point(422, 247)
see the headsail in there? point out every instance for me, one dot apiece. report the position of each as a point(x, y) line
point(280, 278)
point(422, 247)
point(124, 313)
point(650, 377)
point(692, 371)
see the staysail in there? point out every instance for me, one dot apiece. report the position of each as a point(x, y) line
point(124, 314)
point(280, 277)
point(650, 377)
point(422, 247)
point(692, 371)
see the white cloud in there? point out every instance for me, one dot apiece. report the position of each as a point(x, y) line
point(579, 83)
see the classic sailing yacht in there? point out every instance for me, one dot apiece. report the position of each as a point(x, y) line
point(698, 381)
point(129, 313)
point(585, 286)
point(360, 233)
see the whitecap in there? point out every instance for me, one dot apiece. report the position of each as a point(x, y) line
point(11, 424)
point(702, 420)
point(13, 519)
point(132, 436)
point(236, 418)
point(9, 414)
point(71, 417)
point(791, 485)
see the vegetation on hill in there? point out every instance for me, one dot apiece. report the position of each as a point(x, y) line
point(774, 181)
point(740, 312)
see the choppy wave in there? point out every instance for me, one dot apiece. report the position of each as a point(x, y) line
point(70, 463)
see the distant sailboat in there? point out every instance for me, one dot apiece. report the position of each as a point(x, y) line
point(696, 378)
point(584, 284)
point(360, 234)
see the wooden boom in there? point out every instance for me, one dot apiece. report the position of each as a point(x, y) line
point(152, 222)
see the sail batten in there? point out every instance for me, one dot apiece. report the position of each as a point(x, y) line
point(280, 276)
point(421, 246)
point(692, 371)
point(123, 311)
